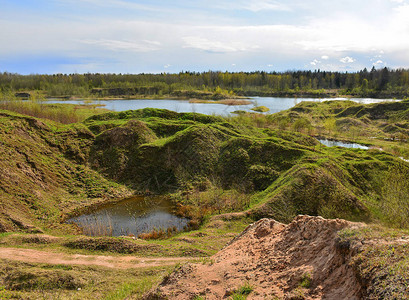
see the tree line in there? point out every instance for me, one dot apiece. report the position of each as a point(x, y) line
point(373, 83)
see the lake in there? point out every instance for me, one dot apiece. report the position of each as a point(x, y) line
point(274, 104)
point(131, 216)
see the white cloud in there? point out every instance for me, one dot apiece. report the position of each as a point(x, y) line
point(374, 29)
point(260, 5)
point(125, 45)
point(379, 63)
point(347, 60)
point(167, 66)
point(212, 45)
point(315, 62)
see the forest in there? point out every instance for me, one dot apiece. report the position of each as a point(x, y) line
point(377, 83)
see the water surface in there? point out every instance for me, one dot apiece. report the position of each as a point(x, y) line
point(274, 104)
point(131, 216)
point(334, 143)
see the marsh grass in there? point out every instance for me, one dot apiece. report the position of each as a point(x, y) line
point(158, 233)
point(62, 113)
point(96, 226)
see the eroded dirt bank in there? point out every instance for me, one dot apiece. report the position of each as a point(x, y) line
point(301, 260)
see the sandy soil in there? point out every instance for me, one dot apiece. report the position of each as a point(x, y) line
point(274, 259)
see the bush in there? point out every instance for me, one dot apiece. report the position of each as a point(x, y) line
point(302, 124)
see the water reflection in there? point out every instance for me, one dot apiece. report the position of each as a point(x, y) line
point(334, 143)
point(132, 216)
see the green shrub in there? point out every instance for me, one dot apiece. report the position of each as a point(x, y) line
point(306, 280)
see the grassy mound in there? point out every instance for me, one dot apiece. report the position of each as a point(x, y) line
point(53, 169)
point(44, 173)
point(169, 150)
point(348, 184)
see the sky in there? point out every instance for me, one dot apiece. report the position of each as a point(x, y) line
point(153, 36)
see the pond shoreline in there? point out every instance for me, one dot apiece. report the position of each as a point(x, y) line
point(134, 215)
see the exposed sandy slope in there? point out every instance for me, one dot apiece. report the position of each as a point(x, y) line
point(121, 262)
point(272, 258)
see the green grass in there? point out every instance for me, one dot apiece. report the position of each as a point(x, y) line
point(5, 294)
point(134, 289)
point(245, 289)
point(61, 113)
point(242, 292)
point(42, 281)
point(260, 109)
point(306, 280)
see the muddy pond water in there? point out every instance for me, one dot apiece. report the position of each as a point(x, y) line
point(131, 216)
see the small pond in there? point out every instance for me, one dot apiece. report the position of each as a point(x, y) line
point(275, 104)
point(334, 143)
point(131, 216)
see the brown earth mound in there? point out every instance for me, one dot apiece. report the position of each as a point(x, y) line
point(270, 260)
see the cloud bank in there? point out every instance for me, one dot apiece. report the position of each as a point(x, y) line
point(141, 36)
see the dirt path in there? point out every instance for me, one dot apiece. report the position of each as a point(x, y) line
point(121, 262)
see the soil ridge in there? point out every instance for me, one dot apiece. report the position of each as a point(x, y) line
point(302, 260)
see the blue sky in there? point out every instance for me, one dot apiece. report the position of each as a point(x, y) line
point(130, 36)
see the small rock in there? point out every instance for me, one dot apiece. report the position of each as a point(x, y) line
point(229, 292)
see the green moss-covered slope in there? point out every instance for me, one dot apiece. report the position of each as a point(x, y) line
point(50, 169)
point(44, 174)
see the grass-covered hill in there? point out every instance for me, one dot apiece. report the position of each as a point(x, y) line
point(161, 151)
point(209, 164)
point(44, 173)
